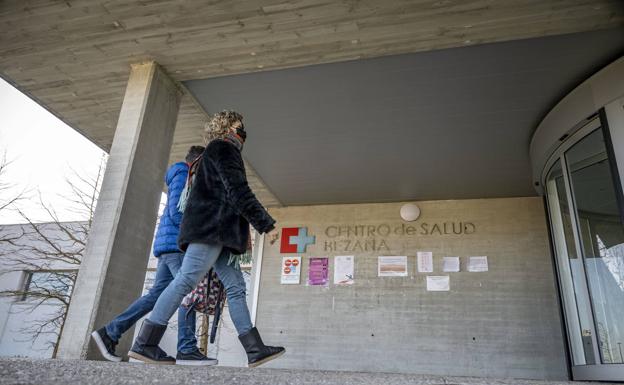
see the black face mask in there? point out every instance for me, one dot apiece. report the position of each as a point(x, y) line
point(240, 131)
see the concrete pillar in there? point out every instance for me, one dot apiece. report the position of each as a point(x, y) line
point(113, 266)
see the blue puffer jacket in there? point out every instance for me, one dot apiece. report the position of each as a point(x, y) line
point(169, 226)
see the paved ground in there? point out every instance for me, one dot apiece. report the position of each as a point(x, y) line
point(44, 372)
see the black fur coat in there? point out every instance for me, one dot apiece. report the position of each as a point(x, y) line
point(221, 204)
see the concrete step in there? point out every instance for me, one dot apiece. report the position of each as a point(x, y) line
point(61, 372)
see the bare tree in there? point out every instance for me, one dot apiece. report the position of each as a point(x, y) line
point(8, 198)
point(51, 253)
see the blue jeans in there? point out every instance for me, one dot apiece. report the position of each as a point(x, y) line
point(168, 266)
point(199, 258)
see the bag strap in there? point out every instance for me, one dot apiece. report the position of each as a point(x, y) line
point(186, 192)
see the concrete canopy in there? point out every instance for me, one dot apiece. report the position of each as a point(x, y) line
point(73, 57)
point(445, 124)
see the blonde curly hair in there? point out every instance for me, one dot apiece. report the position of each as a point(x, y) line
point(219, 124)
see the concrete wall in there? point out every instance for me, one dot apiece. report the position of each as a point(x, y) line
point(500, 323)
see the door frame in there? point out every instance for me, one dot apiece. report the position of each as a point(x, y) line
point(597, 371)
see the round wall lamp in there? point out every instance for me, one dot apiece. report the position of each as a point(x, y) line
point(410, 212)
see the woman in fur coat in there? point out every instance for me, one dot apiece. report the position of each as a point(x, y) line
point(215, 225)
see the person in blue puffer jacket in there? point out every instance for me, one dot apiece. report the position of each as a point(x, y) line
point(166, 240)
point(169, 262)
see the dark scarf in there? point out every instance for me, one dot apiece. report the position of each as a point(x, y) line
point(235, 140)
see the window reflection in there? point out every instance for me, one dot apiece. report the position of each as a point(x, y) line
point(602, 240)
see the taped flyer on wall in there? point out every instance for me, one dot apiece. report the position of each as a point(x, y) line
point(392, 266)
point(424, 261)
point(291, 270)
point(318, 271)
point(478, 264)
point(343, 269)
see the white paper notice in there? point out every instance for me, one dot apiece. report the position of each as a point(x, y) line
point(343, 270)
point(438, 283)
point(291, 270)
point(425, 261)
point(450, 265)
point(392, 267)
point(478, 264)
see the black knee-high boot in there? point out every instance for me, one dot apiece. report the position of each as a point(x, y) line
point(257, 352)
point(145, 347)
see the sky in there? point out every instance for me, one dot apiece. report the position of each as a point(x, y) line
point(43, 151)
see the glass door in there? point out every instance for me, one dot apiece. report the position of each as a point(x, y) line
point(588, 234)
point(570, 270)
point(602, 240)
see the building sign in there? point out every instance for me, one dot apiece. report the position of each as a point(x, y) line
point(384, 229)
point(366, 238)
point(295, 240)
